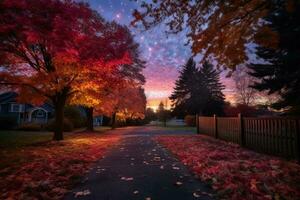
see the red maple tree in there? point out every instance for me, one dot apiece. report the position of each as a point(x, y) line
point(49, 54)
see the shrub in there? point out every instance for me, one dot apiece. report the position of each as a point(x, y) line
point(30, 127)
point(68, 126)
point(7, 122)
point(190, 120)
point(74, 115)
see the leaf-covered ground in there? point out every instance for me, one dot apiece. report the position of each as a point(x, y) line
point(234, 172)
point(48, 170)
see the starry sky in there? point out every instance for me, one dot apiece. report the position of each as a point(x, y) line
point(164, 54)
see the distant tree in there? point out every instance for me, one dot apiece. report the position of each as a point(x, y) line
point(245, 110)
point(105, 84)
point(215, 98)
point(189, 94)
point(197, 91)
point(163, 114)
point(128, 101)
point(244, 93)
point(150, 115)
point(279, 71)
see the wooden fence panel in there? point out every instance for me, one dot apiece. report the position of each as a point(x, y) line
point(275, 136)
point(206, 126)
point(229, 129)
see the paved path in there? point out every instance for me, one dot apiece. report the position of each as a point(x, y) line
point(141, 169)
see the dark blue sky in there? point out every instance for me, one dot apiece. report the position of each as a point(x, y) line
point(164, 54)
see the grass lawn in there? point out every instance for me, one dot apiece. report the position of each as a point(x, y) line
point(10, 139)
point(15, 139)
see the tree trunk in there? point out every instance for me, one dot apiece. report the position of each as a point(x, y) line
point(89, 114)
point(165, 122)
point(59, 101)
point(113, 121)
point(59, 121)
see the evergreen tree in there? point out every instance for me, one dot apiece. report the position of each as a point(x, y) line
point(185, 97)
point(197, 91)
point(215, 98)
point(280, 71)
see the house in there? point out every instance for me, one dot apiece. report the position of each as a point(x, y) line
point(24, 113)
point(98, 120)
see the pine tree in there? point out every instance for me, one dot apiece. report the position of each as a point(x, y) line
point(280, 71)
point(215, 98)
point(187, 87)
point(197, 91)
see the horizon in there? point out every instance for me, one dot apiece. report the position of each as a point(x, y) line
point(164, 55)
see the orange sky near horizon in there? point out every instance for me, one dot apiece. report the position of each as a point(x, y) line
point(159, 89)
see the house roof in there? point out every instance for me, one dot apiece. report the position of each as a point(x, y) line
point(8, 97)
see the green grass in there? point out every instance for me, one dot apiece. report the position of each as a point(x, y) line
point(15, 139)
point(10, 139)
point(102, 129)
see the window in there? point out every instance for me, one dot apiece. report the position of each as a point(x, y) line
point(15, 107)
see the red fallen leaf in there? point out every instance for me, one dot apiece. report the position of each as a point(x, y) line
point(42, 168)
point(238, 172)
point(253, 183)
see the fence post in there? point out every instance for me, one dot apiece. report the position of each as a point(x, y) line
point(297, 138)
point(197, 124)
point(216, 126)
point(242, 132)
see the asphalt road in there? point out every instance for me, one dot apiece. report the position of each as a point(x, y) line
point(139, 168)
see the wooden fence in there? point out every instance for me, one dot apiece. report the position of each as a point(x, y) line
point(275, 136)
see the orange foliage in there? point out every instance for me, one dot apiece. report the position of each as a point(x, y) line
point(215, 29)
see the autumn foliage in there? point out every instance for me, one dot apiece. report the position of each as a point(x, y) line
point(234, 172)
point(218, 30)
point(62, 54)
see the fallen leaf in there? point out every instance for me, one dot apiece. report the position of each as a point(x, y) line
point(196, 195)
point(82, 193)
point(127, 178)
point(178, 183)
point(135, 192)
point(156, 158)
